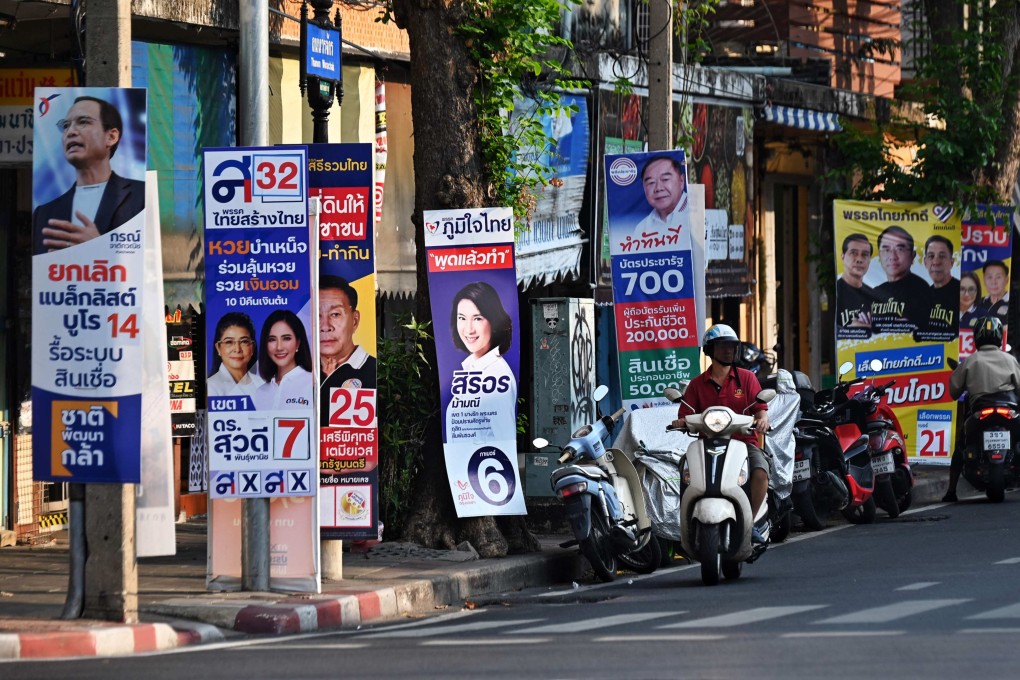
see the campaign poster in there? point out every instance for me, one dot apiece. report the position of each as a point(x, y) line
point(88, 219)
point(898, 300)
point(984, 280)
point(181, 346)
point(260, 347)
point(654, 265)
point(473, 290)
point(340, 179)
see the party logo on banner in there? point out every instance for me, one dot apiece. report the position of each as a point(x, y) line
point(340, 177)
point(87, 283)
point(473, 290)
point(653, 270)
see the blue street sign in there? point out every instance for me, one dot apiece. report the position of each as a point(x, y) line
point(322, 52)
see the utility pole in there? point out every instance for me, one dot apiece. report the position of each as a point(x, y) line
point(111, 569)
point(320, 95)
point(660, 73)
point(254, 105)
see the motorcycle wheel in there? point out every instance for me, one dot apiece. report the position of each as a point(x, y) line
point(781, 528)
point(996, 490)
point(885, 497)
point(804, 506)
point(904, 501)
point(861, 514)
point(731, 570)
point(643, 560)
point(668, 549)
point(708, 553)
point(598, 548)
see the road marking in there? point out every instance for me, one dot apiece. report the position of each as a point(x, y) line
point(1010, 611)
point(1011, 560)
point(285, 646)
point(988, 631)
point(478, 642)
point(920, 585)
point(680, 637)
point(446, 630)
point(892, 612)
point(842, 633)
point(593, 624)
point(743, 617)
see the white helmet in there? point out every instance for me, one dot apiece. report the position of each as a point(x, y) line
point(720, 331)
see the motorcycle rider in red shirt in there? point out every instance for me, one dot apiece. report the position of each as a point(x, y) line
point(723, 384)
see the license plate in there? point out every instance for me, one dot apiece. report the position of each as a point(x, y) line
point(996, 440)
point(882, 464)
point(801, 470)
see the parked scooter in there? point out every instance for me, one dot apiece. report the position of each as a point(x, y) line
point(990, 460)
point(894, 479)
point(832, 470)
point(604, 500)
point(715, 511)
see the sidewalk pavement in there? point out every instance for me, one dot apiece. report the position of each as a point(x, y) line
point(390, 581)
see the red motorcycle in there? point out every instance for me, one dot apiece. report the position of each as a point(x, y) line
point(832, 465)
point(894, 481)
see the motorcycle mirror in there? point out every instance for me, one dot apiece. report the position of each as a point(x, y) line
point(876, 365)
point(600, 393)
point(844, 368)
point(673, 395)
point(765, 396)
point(953, 363)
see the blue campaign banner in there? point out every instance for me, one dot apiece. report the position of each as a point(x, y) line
point(88, 274)
point(653, 277)
point(918, 359)
point(259, 337)
point(340, 179)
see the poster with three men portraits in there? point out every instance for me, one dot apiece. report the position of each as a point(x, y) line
point(911, 278)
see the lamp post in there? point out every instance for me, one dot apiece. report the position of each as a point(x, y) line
point(320, 89)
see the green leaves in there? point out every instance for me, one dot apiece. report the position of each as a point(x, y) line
point(514, 46)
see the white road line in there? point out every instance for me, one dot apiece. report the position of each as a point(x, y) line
point(679, 637)
point(892, 612)
point(480, 642)
point(986, 631)
point(1010, 611)
point(743, 617)
point(593, 624)
point(920, 585)
point(446, 630)
point(284, 646)
point(842, 633)
point(1011, 560)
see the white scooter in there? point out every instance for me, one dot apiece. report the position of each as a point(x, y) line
point(715, 512)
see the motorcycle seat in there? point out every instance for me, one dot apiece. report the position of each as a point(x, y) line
point(593, 472)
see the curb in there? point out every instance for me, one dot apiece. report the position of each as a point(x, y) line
point(343, 609)
point(108, 641)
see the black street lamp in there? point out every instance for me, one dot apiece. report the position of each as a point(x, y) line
point(321, 77)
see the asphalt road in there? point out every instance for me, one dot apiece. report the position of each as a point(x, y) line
point(932, 594)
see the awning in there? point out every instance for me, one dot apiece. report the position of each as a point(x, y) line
point(803, 119)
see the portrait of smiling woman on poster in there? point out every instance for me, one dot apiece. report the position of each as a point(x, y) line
point(285, 363)
point(484, 391)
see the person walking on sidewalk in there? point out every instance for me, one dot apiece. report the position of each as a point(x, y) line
point(988, 371)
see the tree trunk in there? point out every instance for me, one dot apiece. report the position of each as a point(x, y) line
point(449, 173)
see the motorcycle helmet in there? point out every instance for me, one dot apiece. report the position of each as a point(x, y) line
point(988, 331)
point(718, 332)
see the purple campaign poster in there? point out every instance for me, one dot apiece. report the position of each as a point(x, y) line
point(473, 290)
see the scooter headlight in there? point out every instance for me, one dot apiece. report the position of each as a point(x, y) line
point(742, 477)
point(716, 420)
point(685, 473)
point(876, 442)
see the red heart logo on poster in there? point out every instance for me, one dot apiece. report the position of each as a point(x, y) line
point(462, 485)
point(431, 226)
